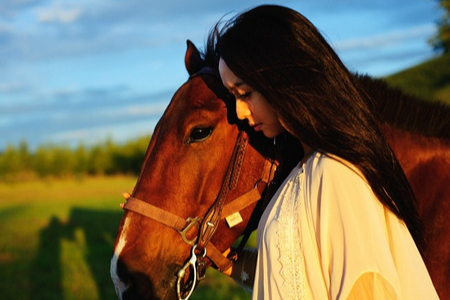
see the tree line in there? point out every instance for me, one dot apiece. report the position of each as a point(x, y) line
point(441, 40)
point(59, 161)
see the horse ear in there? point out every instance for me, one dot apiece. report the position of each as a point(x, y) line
point(193, 60)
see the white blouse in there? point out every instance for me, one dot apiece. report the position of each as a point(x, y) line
point(325, 235)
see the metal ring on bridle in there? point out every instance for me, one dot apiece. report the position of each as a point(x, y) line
point(192, 282)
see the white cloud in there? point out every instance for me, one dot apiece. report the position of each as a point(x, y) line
point(146, 110)
point(5, 28)
point(13, 87)
point(58, 14)
point(118, 132)
point(389, 38)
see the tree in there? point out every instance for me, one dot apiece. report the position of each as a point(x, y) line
point(15, 161)
point(441, 41)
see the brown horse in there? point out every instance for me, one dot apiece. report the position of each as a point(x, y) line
point(200, 182)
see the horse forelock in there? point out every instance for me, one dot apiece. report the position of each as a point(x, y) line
point(206, 71)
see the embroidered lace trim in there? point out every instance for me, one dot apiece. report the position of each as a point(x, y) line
point(289, 244)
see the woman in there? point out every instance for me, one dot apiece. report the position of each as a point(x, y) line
point(343, 225)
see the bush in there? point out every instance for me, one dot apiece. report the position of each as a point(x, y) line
point(107, 158)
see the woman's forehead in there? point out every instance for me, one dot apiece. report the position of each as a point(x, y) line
point(229, 79)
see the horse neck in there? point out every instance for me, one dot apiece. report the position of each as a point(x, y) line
point(413, 148)
point(407, 112)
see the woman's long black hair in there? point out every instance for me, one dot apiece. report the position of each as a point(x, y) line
point(280, 53)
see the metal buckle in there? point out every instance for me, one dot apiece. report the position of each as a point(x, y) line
point(191, 222)
point(184, 290)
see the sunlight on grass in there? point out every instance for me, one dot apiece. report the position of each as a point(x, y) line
point(57, 237)
point(77, 279)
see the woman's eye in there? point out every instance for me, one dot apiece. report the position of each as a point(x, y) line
point(243, 96)
point(199, 135)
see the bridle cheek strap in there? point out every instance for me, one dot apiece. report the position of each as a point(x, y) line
point(212, 217)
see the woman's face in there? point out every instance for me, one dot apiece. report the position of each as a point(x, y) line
point(250, 104)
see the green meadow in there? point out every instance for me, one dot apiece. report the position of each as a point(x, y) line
point(57, 237)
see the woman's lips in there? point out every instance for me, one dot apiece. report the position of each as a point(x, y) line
point(257, 127)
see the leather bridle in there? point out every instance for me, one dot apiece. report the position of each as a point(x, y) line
point(207, 225)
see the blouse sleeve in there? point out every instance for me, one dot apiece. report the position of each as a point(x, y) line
point(349, 224)
point(371, 285)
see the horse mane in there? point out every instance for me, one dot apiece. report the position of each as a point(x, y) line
point(406, 112)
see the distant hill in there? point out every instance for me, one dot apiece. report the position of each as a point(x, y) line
point(429, 80)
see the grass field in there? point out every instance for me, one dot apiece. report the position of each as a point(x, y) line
point(57, 236)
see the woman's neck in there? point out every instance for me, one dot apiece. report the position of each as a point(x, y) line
point(307, 150)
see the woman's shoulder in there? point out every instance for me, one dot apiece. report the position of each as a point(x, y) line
point(320, 164)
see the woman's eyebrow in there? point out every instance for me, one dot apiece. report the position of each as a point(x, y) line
point(233, 86)
point(239, 83)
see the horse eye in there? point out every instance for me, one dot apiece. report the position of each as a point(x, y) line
point(199, 135)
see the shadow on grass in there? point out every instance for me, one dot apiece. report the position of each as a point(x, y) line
point(99, 229)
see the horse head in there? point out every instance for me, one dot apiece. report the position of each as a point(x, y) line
point(188, 159)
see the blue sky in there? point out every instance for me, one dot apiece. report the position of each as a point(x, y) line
point(83, 71)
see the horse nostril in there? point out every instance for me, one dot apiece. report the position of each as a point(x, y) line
point(129, 293)
point(133, 284)
point(125, 288)
point(120, 277)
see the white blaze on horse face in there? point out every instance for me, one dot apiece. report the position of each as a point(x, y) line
point(119, 285)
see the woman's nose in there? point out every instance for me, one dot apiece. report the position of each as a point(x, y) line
point(242, 110)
